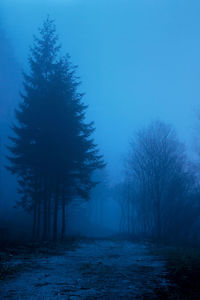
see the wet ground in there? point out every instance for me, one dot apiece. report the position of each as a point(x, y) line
point(100, 269)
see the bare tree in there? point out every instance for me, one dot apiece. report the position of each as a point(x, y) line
point(159, 177)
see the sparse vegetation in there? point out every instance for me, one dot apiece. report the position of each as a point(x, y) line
point(182, 270)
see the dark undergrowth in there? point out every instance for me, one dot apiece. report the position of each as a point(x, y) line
point(23, 251)
point(183, 271)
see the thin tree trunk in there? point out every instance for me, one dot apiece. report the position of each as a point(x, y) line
point(158, 221)
point(45, 212)
point(55, 224)
point(34, 221)
point(63, 217)
point(49, 217)
point(128, 204)
point(35, 205)
point(38, 219)
point(44, 220)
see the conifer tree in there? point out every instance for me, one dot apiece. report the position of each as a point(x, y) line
point(52, 151)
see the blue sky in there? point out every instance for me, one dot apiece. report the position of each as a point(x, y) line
point(138, 60)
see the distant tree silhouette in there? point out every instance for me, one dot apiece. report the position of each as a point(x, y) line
point(162, 184)
point(52, 151)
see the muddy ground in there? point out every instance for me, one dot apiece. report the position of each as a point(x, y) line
point(88, 269)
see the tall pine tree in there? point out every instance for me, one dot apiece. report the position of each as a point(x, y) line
point(52, 151)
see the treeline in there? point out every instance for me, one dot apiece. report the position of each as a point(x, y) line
point(53, 155)
point(160, 195)
point(51, 149)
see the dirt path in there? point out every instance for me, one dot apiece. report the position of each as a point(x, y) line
point(95, 270)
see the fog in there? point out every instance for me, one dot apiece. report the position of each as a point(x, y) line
point(138, 61)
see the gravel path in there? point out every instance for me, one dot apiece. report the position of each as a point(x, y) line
point(100, 269)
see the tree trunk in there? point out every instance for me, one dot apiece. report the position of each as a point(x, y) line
point(158, 220)
point(49, 216)
point(45, 212)
point(63, 218)
point(38, 219)
point(55, 223)
point(34, 221)
point(45, 220)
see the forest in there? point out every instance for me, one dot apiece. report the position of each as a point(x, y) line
point(66, 223)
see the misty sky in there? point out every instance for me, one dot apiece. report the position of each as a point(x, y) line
point(138, 60)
